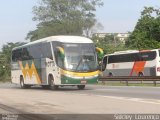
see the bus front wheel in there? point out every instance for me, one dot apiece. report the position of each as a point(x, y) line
point(52, 84)
point(110, 74)
point(81, 87)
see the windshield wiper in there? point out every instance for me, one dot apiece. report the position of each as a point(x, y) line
point(84, 63)
point(79, 62)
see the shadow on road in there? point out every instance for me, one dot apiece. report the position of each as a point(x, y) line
point(67, 117)
point(66, 88)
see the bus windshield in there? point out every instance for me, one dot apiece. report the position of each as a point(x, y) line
point(80, 57)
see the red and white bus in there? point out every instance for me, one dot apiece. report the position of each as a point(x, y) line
point(132, 63)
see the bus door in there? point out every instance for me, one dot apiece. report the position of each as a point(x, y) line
point(48, 66)
point(104, 65)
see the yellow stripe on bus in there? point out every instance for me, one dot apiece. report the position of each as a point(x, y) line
point(76, 74)
point(30, 71)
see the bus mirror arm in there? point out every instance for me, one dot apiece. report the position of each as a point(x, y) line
point(102, 66)
point(100, 52)
point(61, 52)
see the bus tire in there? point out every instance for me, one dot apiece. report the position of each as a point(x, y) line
point(52, 85)
point(81, 87)
point(110, 74)
point(45, 86)
point(23, 86)
point(140, 74)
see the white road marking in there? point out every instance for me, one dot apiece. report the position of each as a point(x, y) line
point(106, 89)
point(150, 101)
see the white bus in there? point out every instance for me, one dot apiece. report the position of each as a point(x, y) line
point(132, 63)
point(56, 61)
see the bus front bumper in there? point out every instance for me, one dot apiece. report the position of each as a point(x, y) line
point(79, 80)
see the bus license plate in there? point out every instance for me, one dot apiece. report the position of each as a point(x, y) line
point(83, 82)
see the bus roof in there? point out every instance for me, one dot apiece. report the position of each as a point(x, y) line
point(129, 51)
point(63, 39)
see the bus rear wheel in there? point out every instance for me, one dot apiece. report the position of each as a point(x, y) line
point(140, 74)
point(110, 74)
point(45, 86)
point(81, 87)
point(23, 86)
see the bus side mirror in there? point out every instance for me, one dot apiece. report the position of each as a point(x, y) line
point(100, 52)
point(61, 52)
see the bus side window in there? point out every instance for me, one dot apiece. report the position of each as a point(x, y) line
point(45, 50)
point(13, 56)
point(104, 63)
point(34, 52)
point(25, 54)
point(16, 55)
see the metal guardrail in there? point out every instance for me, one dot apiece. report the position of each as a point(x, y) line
point(129, 79)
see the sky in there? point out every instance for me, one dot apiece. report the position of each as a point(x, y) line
point(122, 15)
point(115, 16)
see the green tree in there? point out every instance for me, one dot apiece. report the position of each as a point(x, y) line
point(109, 44)
point(5, 60)
point(146, 33)
point(64, 17)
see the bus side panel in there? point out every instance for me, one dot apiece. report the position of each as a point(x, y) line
point(34, 72)
point(131, 68)
point(31, 71)
point(15, 73)
point(37, 71)
point(150, 68)
point(118, 69)
point(27, 69)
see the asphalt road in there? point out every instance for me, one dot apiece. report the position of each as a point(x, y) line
point(121, 91)
point(102, 90)
point(95, 99)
